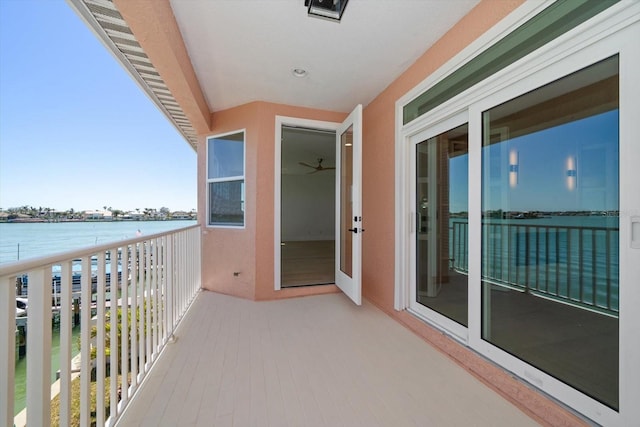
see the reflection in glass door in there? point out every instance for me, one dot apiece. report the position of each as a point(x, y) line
point(442, 223)
point(550, 209)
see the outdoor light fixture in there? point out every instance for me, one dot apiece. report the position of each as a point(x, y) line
point(572, 173)
point(514, 166)
point(329, 9)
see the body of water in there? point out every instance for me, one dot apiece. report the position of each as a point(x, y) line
point(20, 241)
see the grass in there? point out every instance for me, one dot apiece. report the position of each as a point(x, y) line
point(75, 402)
point(75, 384)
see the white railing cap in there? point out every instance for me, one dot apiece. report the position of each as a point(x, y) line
point(18, 267)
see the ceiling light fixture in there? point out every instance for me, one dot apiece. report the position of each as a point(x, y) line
point(328, 9)
point(299, 72)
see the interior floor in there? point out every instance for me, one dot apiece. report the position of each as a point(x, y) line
point(451, 300)
point(307, 263)
point(578, 346)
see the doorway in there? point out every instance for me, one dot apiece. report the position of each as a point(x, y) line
point(307, 184)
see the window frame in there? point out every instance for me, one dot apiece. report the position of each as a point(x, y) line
point(236, 178)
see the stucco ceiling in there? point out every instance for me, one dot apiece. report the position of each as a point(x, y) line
point(245, 50)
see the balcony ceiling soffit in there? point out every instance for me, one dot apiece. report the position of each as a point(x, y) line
point(243, 51)
point(115, 33)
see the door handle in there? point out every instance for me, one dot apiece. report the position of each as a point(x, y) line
point(354, 230)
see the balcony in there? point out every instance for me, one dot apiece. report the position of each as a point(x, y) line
point(201, 358)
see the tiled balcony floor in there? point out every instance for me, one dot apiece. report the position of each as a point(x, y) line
point(314, 361)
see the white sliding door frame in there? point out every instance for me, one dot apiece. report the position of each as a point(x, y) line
point(431, 130)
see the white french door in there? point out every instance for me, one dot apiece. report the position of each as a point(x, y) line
point(349, 225)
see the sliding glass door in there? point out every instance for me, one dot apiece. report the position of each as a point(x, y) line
point(550, 229)
point(440, 240)
point(520, 219)
point(442, 223)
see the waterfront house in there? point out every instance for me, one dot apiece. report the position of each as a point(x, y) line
point(392, 157)
point(97, 216)
point(133, 216)
point(181, 215)
point(93, 215)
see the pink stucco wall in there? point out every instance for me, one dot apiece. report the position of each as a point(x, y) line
point(378, 172)
point(250, 251)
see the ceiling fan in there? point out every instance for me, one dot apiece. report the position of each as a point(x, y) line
point(318, 168)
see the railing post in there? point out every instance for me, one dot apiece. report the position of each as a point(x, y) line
point(125, 309)
point(148, 300)
point(594, 269)
point(608, 268)
point(546, 260)
point(142, 306)
point(162, 251)
point(113, 339)
point(134, 316)
point(170, 281)
point(527, 256)
point(179, 278)
point(85, 341)
point(100, 341)
point(568, 263)
point(154, 293)
point(557, 263)
point(8, 341)
point(198, 259)
point(39, 348)
point(65, 343)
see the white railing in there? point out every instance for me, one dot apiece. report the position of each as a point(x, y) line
point(150, 280)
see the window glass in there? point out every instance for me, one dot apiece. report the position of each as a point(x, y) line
point(442, 165)
point(550, 206)
point(226, 156)
point(226, 203)
point(225, 180)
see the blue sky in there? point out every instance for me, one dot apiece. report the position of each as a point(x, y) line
point(75, 130)
point(542, 170)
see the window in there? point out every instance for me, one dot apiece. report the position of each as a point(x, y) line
point(225, 180)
